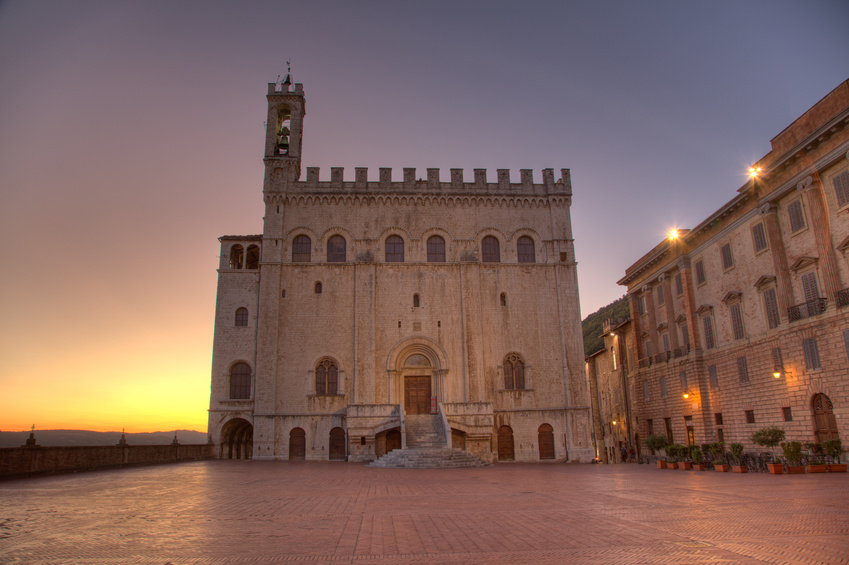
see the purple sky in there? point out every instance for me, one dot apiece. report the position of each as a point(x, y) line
point(131, 137)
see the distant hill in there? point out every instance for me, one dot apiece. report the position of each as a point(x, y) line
point(592, 324)
point(85, 437)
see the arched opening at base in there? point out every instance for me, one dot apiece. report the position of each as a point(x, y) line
point(237, 440)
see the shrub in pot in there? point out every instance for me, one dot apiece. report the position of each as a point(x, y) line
point(658, 442)
point(737, 453)
point(717, 456)
point(793, 456)
point(697, 457)
point(816, 457)
point(770, 437)
point(834, 449)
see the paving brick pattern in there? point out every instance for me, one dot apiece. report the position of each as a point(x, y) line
point(270, 512)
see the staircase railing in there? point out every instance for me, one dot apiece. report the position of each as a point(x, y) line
point(403, 428)
point(445, 427)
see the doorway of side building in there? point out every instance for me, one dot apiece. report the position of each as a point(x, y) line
point(417, 394)
point(297, 445)
point(337, 445)
point(824, 420)
point(546, 441)
point(505, 444)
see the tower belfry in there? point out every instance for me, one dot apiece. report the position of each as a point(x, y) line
point(284, 134)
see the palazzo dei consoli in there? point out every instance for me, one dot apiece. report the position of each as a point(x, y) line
point(365, 305)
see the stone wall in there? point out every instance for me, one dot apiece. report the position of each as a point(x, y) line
point(16, 462)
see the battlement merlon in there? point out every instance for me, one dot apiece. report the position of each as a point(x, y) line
point(432, 184)
point(279, 89)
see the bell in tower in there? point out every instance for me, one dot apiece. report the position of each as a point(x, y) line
point(284, 132)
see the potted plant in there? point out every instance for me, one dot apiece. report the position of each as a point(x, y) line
point(834, 450)
point(717, 455)
point(816, 458)
point(674, 456)
point(656, 442)
point(770, 437)
point(686, 462)
point(697, 457)
point(793, 457)
point(737, 453)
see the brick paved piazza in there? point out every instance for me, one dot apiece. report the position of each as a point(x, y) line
point(269, 512)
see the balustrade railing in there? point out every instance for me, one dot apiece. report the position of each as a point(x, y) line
point(807, 309)
point(843, 298)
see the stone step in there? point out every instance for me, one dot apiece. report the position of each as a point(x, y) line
point(421, 458)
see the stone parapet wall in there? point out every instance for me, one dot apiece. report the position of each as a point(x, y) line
point(16, 462)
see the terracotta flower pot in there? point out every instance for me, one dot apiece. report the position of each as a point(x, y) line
point(795, 470)
point(739, 468)
point(671, 465)
point(817, 468)
point(661, 464)
point(836, 467)
point(685, 465)
point(698, 467)
point(775, 468)
point(721, 468)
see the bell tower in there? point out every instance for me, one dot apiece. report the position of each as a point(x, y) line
point(283, 134)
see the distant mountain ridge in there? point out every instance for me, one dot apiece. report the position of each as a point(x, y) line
point(86, 437)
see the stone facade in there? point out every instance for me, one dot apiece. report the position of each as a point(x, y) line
point(363, 301)
point(748, 313)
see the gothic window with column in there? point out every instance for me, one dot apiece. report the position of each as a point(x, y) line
point(326, 377)
point(514, 372)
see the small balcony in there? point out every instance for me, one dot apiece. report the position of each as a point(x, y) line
point(645, 362)
point(681, 351)
point(662, 357)
point(843, 298)
point(807, 309)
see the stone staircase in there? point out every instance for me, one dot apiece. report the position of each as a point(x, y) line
point(426, 448)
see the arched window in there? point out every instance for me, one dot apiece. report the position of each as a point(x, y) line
point(545, 435)
point(318, 288)
point(240, 381)
point(503, 299)
point(394, 249)
point(301, 248)
point(525, 247)
point(336, 249)
point(435, 249)
point(241, 316)
point(326, 377)
point(237, 256)
point(514, 372)
point(253, 257)
point(416, 301)
point(490, 250)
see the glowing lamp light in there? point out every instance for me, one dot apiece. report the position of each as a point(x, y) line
point(673, 234)
point(777, 373)
point(754, 172)
point(614, 422)
point(686, 395)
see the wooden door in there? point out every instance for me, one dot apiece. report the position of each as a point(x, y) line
point(824, 419)
point(337, 445)
point(417, 395)
point(505, 444)
point(297, 445)
point(546, 442)
point(393, 440)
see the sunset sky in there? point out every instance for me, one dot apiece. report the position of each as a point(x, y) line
point(131, 138)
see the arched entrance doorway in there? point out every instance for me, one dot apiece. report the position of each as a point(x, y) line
point(337, 445)
point(546, 441)
point(297, 445)
point(505, 444)
point(237, 439)
point(416, 369)
point(824, 421)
